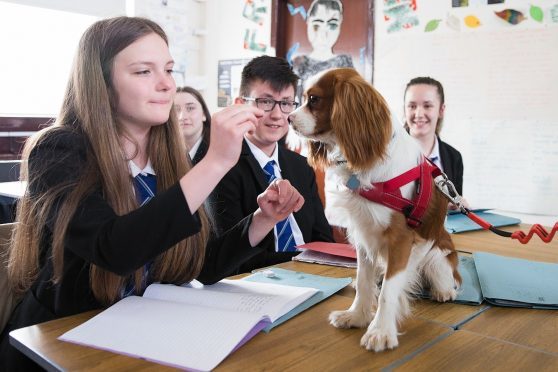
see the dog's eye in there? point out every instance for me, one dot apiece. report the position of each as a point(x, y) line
point(313, 100)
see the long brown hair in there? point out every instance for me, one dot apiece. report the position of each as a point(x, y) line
point(89, 108)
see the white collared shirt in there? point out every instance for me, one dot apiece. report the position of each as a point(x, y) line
point(435, 155)
point(195, 148)
point(135, 170)
point(262, 160)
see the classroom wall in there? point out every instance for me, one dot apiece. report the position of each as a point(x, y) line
point(226, 29)
point(202, 33)
point(99, 8)
point(501, 91)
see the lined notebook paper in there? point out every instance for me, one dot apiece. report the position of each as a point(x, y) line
point(184, 327)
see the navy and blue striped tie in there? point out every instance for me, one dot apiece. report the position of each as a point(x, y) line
point(285, 238)
point(146, 187)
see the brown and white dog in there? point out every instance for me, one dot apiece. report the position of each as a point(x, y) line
point(353, 134)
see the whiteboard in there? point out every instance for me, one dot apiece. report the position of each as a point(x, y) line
point(501, 86)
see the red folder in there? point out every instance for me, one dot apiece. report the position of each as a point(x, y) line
point(336, 249)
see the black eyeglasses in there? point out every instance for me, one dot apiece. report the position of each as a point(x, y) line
point(268, 104)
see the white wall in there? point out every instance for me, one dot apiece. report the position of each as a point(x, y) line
point(99, 8)
point(224, 40)
point(501, 93)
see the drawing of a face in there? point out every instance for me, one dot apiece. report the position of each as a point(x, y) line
point(323, 27)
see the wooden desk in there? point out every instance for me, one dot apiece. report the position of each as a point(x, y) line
point(437, 336)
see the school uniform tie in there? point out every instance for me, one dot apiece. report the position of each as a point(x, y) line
point(146, 187)
point(285, 238)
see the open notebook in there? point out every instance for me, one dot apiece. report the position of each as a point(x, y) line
point(326, 286)
point(505, 281)
point(186, 327)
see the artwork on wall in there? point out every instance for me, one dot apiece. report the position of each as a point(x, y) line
point(257, 12)
point(321, 34)
point(417, 16)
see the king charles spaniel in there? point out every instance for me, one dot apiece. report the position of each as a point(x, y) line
point(353, 134)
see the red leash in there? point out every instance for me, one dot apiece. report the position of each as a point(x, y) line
point(388, 194)
point(447, 188)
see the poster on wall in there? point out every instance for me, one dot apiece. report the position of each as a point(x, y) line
point(420, 16)
point(228, 81)
point(257, 18)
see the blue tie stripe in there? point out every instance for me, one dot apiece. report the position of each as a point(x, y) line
point(285, 238)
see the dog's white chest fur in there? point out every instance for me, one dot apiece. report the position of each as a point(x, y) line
point(344, 205)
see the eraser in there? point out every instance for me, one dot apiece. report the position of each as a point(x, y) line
point(268, 273)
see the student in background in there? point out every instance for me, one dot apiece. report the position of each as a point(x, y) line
point(111, 205)
point(195, 121)
point(268, 83)
point(424, 112)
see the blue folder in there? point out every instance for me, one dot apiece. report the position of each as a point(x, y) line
point(457, 222)
point(514, 282)
point(327, 286)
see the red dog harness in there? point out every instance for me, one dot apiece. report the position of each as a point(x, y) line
point(388, 193)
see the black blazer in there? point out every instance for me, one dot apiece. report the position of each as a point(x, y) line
point(200, 152)
point(97, 235)
point(235, 196)
point(452, 164)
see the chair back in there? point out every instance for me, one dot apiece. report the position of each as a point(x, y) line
point(7, 301)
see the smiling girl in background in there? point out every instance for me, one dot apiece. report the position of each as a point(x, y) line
point(424, 112)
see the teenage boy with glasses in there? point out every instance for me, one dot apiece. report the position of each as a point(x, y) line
point(269, 83)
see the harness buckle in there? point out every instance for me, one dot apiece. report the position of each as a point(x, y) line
point(447, 188)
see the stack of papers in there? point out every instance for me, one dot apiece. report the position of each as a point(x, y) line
point(333, 254)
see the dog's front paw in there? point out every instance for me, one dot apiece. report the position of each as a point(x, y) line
point(348, 319)
point(443, 296)
point(378, 339)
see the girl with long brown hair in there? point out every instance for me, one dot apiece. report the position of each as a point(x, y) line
point(111, 203)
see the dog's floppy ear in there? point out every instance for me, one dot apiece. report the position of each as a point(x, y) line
point(361, 120)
